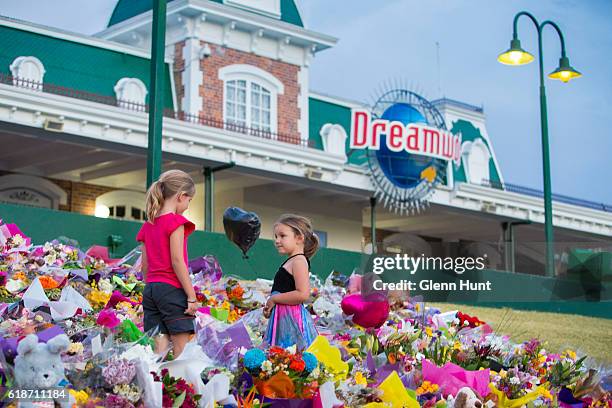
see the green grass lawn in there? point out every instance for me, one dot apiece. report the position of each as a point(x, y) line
point(585, 335)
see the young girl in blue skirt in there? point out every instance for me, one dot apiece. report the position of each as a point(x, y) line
point(290, 323)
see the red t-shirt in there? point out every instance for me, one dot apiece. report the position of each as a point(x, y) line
point(156, 239)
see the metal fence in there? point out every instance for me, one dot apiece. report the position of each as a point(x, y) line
point(514, 188)
point(199, 119)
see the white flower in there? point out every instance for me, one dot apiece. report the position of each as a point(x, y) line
point(140, 352)
point(47, 247)
point(419, 356)
point(18, 240)
point(14, 285)
point(105, 285)
point(515, 380)
point(292, 349)
point(266, 366)
point(50, 259)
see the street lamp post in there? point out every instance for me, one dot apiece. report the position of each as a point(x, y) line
point(517, 56)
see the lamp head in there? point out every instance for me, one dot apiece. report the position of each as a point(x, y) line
point(515, 55)
point(564, 72)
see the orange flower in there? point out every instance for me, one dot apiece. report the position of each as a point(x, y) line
point(48, 282)
point(20, 276)
point(236, 293)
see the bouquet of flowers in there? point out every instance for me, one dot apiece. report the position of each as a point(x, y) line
point(515, 383)
point(177, 392)
point(473, 354)
point(466, 320)
point(283, 373)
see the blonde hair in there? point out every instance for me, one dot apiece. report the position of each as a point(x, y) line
point(170, 183)
point(301, 226)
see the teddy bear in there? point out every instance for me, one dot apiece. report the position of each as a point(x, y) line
point(465, 398)
point(39, 366)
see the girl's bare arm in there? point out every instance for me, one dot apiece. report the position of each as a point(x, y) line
point(178, 261)
point(299, 269)
point(144, 265)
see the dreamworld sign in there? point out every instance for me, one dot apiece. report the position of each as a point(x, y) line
point(414, 138)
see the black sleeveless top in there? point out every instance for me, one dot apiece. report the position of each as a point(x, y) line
point(283, 280)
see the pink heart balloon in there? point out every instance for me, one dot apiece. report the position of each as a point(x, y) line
point(370, 311)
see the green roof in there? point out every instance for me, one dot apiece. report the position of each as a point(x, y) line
point(126, 9)
point(75, 65)
point(470, 133)
point(322, 112)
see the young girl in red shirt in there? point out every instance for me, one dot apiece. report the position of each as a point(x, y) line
point(169, 300)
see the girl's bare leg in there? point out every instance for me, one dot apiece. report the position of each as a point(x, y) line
point(179, 341)
point(162, 344)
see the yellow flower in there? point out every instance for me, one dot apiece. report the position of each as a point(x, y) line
point(81, 397)
point(75, 348)
point(546, 394)
point(360, 379)
point(428, 331)
point(123, 305)
point(97, 298)
point(233, 316)
point(225, 305)
point(502, 373)
point(457, 345)
point(427, 388)
point(571, 354)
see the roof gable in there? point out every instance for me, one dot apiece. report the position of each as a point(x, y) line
point(126, 9)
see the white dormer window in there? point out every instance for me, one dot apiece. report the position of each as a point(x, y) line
point(476, 158)
point(131, 93)
point(28, 72)
point(250, 97)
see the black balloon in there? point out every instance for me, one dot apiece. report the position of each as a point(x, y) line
point(241, 227)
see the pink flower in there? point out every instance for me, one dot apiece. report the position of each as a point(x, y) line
point(118, 297)
point(108, 318)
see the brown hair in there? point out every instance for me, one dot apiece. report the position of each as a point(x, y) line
point(301, 226)
point(170, 183)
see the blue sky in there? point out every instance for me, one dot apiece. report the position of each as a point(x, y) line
point(396, 39)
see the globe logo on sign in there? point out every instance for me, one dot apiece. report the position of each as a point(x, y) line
point(401, 168)
point(407, 146)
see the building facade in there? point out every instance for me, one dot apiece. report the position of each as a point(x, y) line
point(73, 130)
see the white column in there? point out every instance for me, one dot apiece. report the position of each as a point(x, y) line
point(303, 83)
point(192, 77)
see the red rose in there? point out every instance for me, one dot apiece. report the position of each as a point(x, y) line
point(297, 365)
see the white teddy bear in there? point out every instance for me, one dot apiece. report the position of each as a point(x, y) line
point(39, 366)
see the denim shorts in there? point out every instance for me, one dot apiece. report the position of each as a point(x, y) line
point(164, 306)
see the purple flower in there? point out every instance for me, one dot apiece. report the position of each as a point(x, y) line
point(117, 401)
point(119, 371)
point(531, 346)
